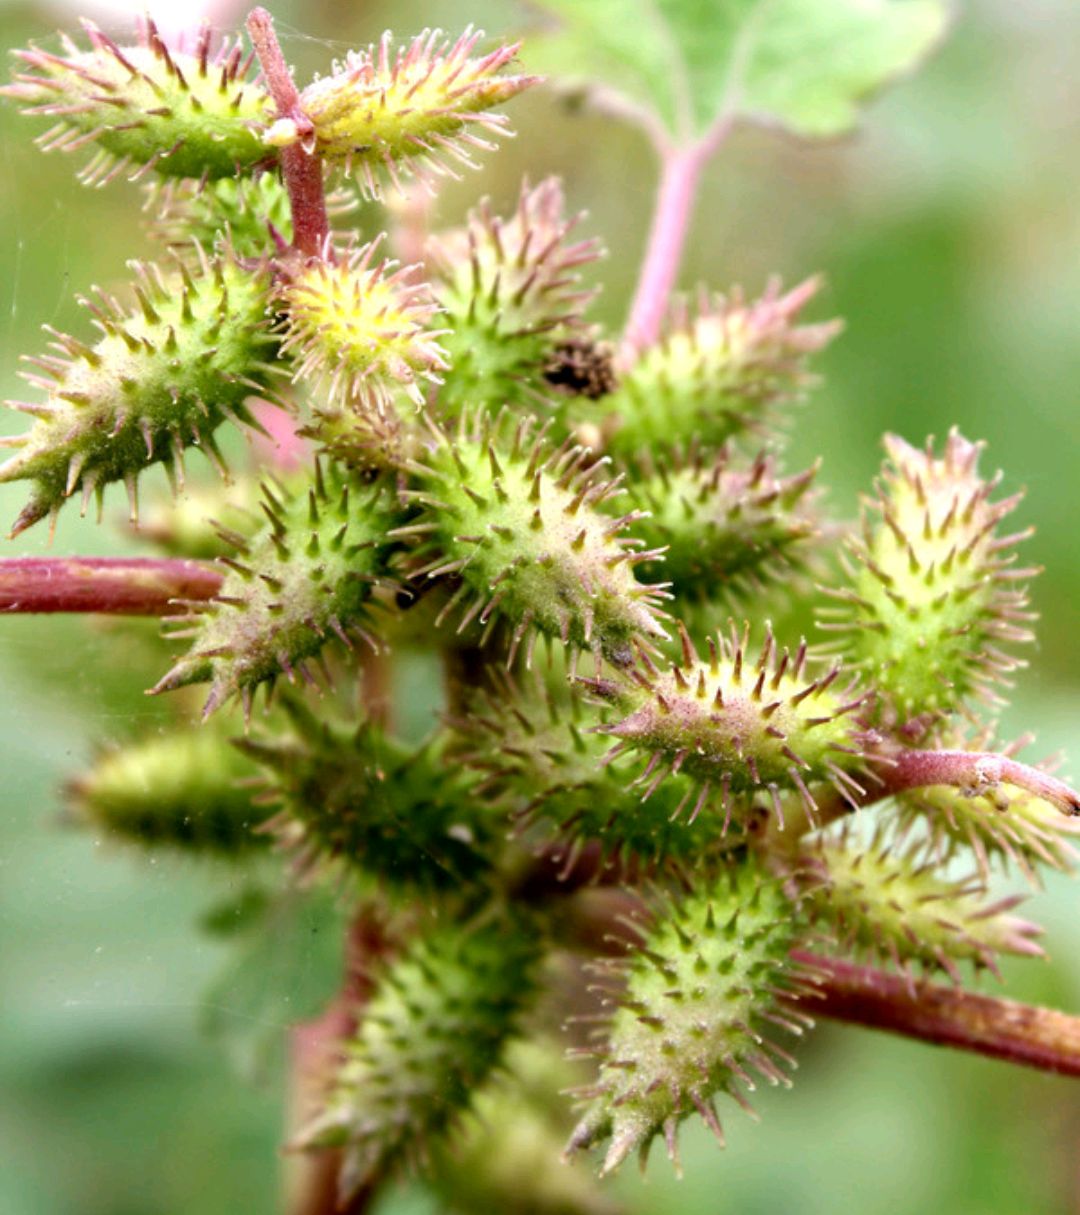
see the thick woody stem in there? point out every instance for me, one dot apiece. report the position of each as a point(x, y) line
point(680, 171)
point(946, 1016)
point(301, 170)
point(119, 586)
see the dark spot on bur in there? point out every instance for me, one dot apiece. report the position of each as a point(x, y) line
point(581, 368)
point(619, 654)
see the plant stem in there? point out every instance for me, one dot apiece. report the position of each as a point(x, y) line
point(947, 1016)
point(315, 1046)
point(301, 170)
point(680, 171)
point(119, 586)
point(974, 770)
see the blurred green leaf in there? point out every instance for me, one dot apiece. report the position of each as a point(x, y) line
point(286, 966)
point(686, 64)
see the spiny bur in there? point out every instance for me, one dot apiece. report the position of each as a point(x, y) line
point(517, 523)
point(511, 293)
point(514, 1130)
point(360, 329)
point(717, 374)
point(935, 592)
point(691, 1008)
point(162, 377)
point(410, 110)
point(728, 530)
point(244, 211)
point(739, 726)
point(544, 761)
point(433, 1032)
point(401, 815)
point(147, 107)
point(181, 789)
point(894, 905)
point(306, 577)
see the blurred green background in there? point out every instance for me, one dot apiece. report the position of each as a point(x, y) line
point(949, 231)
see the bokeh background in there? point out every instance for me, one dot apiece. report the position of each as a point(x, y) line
point(949, 231)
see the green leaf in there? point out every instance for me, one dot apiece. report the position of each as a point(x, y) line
point(285, 966)
point(686, 65)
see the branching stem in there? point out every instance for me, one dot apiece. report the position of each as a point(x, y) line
point(302, 170)
point(947, 1016)
point(118, 586)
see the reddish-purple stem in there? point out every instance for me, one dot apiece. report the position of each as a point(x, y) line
point(119, 586)
point(302, 171)
point(946, 1016)
point(974, 770)
point(680, 170)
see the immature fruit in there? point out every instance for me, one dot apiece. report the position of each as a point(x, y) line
point(717, 373)
point(516, 523)
point(245, 212)
point(162, 377)
point(700, 994)
point(306, 577)
point(180, 789)
point(727, 530)
point(402, 815)
point(403, 111)
point(204, 521)
point(511, 292)
point(148, 107)
point(545, 763)
point(747, 728)
point(501, 1159)
point(935, 591)
point(359, 329)
point(894, 905)
point(432, 1034)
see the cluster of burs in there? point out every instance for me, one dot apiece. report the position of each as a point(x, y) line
point(629, 760)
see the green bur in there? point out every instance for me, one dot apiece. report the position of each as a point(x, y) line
point(741, 727)
point(516, 523)
point(433, 1032)
point(715, 375)
point(183, 789)
point(727, 531)
point(510, 293)
point(148, 107)
point(306, 577)
point(701, 991)
point(934, 593)
point(400, 815)
point(894, 905)
point(162, 378)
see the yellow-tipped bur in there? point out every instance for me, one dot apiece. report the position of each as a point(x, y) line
point(360, 329)
point(395, 109)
